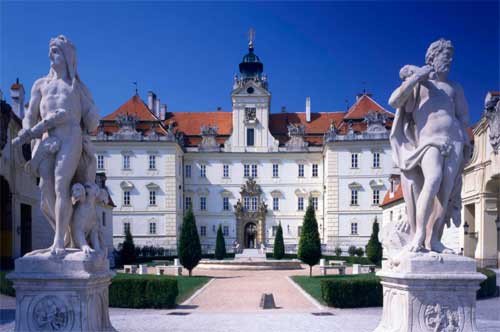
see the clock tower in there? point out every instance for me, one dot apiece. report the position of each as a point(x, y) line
point(251, 101)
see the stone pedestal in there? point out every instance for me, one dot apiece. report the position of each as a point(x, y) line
point(429, 292)
point(62, 294)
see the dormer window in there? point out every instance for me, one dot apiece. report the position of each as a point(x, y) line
point(250, 136)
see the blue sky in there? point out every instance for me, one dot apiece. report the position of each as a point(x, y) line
point(188, 52)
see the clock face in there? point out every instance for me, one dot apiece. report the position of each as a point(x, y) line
point(250, 90)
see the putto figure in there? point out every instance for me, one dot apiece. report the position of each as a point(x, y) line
point(60, 114)
point(430, 146)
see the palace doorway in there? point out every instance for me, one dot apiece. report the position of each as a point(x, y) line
point(251, 235)
point(6, 236)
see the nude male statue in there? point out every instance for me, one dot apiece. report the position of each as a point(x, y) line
point(60, 113)
point(430, 146)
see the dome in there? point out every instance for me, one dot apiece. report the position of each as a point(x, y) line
point(250, 66)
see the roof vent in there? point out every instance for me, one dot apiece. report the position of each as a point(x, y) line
point(219, 109)
point(283, 109)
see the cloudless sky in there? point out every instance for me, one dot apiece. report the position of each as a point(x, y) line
point(188, 53)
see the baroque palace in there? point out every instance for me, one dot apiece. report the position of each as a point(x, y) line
point(247, 170)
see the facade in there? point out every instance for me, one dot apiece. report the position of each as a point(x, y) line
point(247, 170)
point(480, 236)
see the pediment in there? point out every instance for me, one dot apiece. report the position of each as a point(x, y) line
point(257, 90)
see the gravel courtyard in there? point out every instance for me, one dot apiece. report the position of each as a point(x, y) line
point(231, 303)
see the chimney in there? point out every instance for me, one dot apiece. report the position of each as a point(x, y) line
point(17, 95)
point(283, 109)
point(308, 109)
point(163, 111)
point(151, 100)
point(157, 107)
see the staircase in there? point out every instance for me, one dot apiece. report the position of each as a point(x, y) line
point(250, 255)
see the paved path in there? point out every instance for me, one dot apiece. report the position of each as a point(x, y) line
point(241, 291)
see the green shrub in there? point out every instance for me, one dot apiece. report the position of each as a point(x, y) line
point(488, 287)
point(189, 243)
point(338, 251)
point(351, 251)
point(352, 292)
point(374, 247)
point(6, 286)
point(127, 252)
point(150, 292)
point(309, 243)
point(279, 244)
point(220, 245)
point(360, 252)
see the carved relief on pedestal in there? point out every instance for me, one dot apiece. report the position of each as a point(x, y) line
point(51, 313)
point(442, 315)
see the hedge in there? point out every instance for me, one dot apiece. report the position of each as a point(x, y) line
point(6, 286)
point(488, 286)
point(352, 292)
point(151, 292)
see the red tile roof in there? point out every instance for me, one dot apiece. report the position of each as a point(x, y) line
point(363, 105)
point(16, 86)
point(190, 122)
point(319, 124)
point(133, 106)
point(398, 195)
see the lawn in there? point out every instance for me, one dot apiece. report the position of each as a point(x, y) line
point(187, 285)
point(312, 285)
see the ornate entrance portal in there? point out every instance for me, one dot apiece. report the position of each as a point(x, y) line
point(250, 213)
point(250, 235)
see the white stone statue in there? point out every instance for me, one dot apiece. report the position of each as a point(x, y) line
point(59, 117)
point(430, 146)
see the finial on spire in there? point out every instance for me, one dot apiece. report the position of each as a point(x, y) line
point(136, 90)
point(251, 37)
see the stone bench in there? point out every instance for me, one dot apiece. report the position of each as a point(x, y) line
point(323, 269)
point(162, 269)
point(360, 268)
point(130, 269)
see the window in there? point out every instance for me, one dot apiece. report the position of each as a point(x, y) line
point(300, 204)
point(152, 161)
point(354, 228)
point(376, 197)
point(225, 203)
point(188, 171)
point(126, 198)
point(254, 203)
point(354, 160)
point(203, 203)
point(315, 202)
point(276, 203)
point(100, 161)
point(246, 202)
point(354, 197)
point(203, 171)
point(315, 170)
point(225, 170)
point(126, 227)
point(254, 171)
point(203, 230)
point(274, 230)
point(250, 136)
point(275, 170)
point(376, 159)
point(299, 230)
point(152, 228)
point(126, 161)
point(246, 170)
point(104, 219)
point(225, 230)
point(301, 170)
point(152, 197)
point(188, 203)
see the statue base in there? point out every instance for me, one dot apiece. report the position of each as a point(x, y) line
point(62, 293)
point(428, 292)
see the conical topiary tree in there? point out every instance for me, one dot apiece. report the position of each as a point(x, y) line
point(374, 247)
point(189, 248)
point(309, 244)
point(220, 245)
point(127, 252)
point(279, 244)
